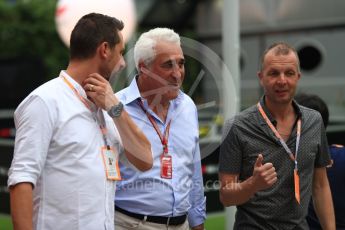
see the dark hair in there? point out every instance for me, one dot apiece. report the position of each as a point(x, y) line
point(314, 102)
point(90, 31)
point(279, 48)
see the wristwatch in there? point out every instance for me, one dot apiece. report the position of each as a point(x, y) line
point(116, 110)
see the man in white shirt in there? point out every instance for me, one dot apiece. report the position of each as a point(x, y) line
point(70, 133)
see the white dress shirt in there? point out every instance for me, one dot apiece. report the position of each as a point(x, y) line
point(58, 149)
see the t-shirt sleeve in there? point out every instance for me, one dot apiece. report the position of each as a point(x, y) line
point(323, 156)
point(230, 157)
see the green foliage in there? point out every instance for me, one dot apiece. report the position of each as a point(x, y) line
point(5, 222)
point(27, 29)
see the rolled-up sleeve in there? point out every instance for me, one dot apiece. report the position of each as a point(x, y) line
point(34, 128)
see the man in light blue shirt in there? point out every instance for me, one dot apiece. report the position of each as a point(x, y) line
point(171, 194)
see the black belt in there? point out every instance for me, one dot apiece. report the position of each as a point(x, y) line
point(175, 220)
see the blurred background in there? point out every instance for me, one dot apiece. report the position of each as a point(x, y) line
point(222, 41)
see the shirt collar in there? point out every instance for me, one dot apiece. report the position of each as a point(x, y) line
point(297, 109)
point(75, 84)
point(79, 89)
point(269, 115)
point(132, 91)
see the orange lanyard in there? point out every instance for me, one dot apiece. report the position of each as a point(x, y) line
point(101, 121)
point(287, 149)
point(162, 137)
point(82, 99)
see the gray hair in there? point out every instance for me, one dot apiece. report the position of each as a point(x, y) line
point(144, 49)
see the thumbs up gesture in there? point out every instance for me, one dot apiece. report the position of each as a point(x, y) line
point(264, 175)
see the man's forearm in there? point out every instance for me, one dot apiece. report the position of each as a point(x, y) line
point(137, 147)
point(21, 206)
point(322, 199)
point(236, 193)
point(323, 204)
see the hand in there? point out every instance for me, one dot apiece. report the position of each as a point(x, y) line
point(199, 227)
point(99, 91)
point(264, 176)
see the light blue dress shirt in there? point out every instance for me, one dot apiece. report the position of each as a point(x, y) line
point(146, 192)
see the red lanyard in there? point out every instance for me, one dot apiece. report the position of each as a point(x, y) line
point(101, 121)
point(287, 149)
point(162, 137)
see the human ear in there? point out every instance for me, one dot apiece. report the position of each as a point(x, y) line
point(260, 76)
point(103, 49)
point(142, 68)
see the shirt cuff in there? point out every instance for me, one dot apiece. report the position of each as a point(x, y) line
point(197, 215)
point(20, 179)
